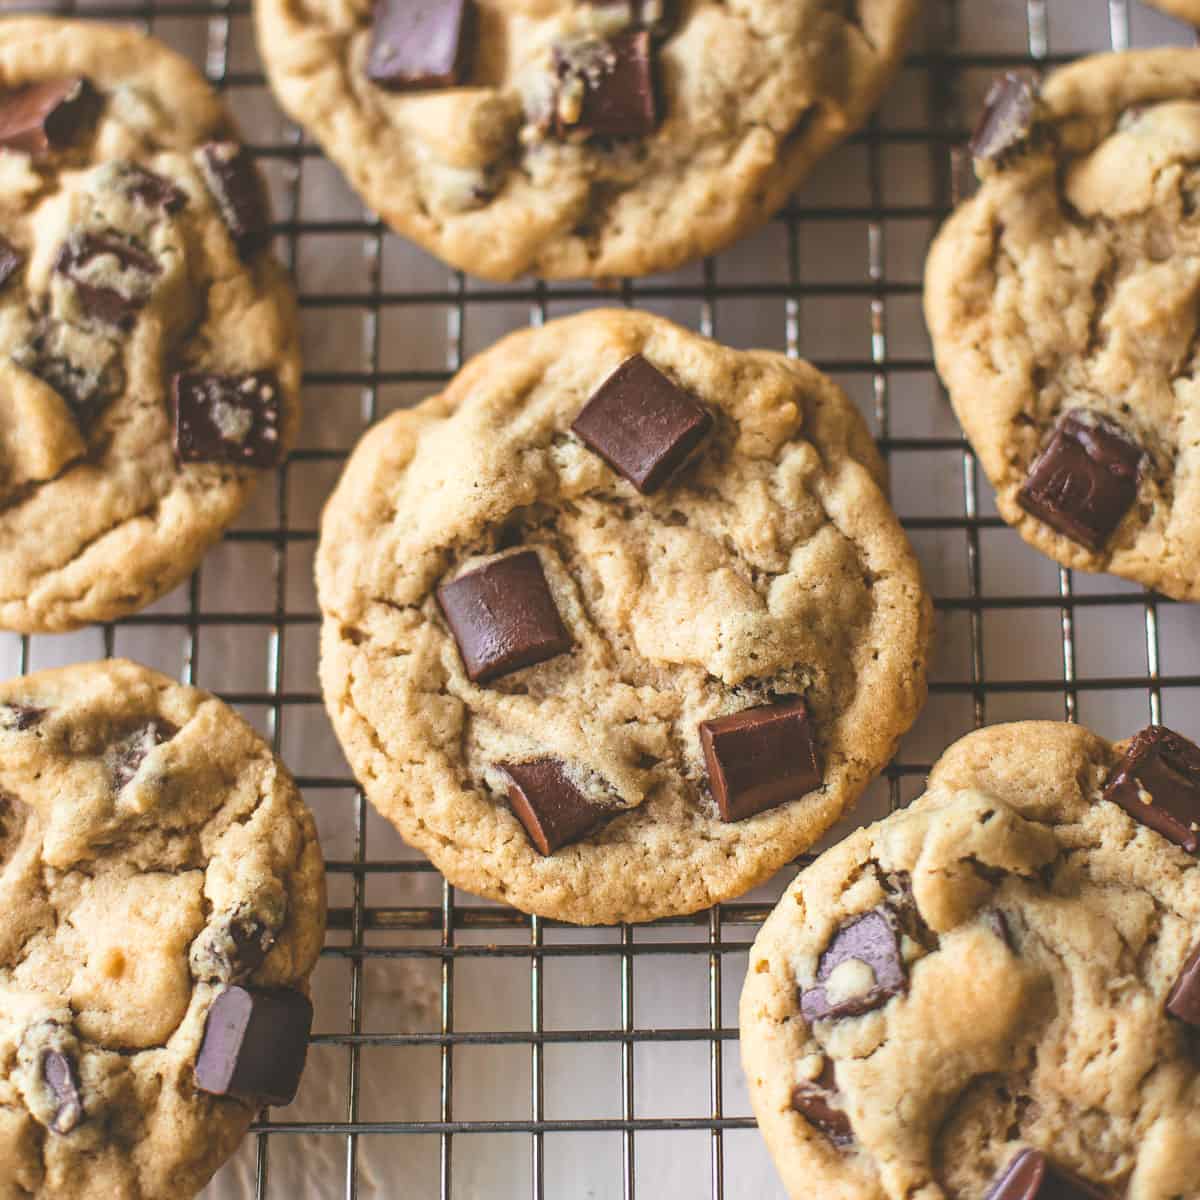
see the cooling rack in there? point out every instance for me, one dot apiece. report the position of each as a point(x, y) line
point(463, 1050)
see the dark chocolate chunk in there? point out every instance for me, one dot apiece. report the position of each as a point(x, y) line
point(128, 754)
point(232, 178)
point(1085, 480)
point(10, 260)
point(642, 424)
point(503, 617)
point(94, 263)
point(86, 386)
point(606, 87)
point(1008, 115)
point(255, 1044)
point(760, 758)
point(997, 922)
point(546, 801)
point(234, 945)
point(419, 44)
point(22, 717)
point(872, 939)
point(1184, 999)
point(817, 1102)
point(228, 418)
point(1158, 784)
point(59, 1073)
point(153, 190)
point(41, 117)
point(1031, 1176)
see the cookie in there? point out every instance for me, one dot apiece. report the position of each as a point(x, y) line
point(149, 364)
point(165, 903)
point(1187, 10)
point(1062, 301)
point(566, 139)
point(621, 621)
point(995, 992)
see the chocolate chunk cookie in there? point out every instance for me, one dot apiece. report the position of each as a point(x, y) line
point(1064, 303)
point(164, 905)
point(570, 139)
point(996, 991)
point(611, 677)
point(149, 367)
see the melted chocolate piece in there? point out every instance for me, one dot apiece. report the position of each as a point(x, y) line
point(235, 946)
point(817, 1103)
point(1085, 480)
point(871, 939)
point(552, 809)
point(418, 44)
point(134, 271)
point(503, 617)
point(227, 418)
point(59, 1073)
point(86, 387)
point(1184, 998)
point(129, 754)
point(22, 717)
point(10, 260)
point(1008, 116)
point(606, 87)
point(642, 424)
point(1158, 784)
point(1031, 1176)
point(255, 1044)
point(153, 190)
point(760, 758)
point(41, 117)
point(232, 178)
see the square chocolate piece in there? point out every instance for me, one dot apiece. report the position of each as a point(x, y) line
point(1032, 1176)
point(642, 424)
point(1008, 115)
point(235, 185)
point(606, 87)
point(1158, 784)
point(419, 44)
point(760, 758)
point(503, 617)
point(255, 1044)
point(1085, 480)
point(1184, 999)
point(228, 418)
point(546, 801)
point(41, 117)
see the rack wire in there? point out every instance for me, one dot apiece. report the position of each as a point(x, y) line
point(1017, 637)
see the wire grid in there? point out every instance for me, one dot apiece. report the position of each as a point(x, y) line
point(948, 74)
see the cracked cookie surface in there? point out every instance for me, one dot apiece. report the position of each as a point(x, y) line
point(768, 566)
point(750, 94)
point(1070, 284)
point(1038, 932)
point(153, 852)
point(130, 261)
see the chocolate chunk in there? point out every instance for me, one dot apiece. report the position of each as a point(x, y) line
point(41, 117)
point(656, 16)
point(1008, 115)
point(1031, 1176)
point(760, 758)
point(22, 717)
point(255, 1044)
point(87, 382)
point(997, 922)
point(817, 1103)
point(606, 87)
point(642, 424)
point(127, 755)
point(111, 276)
point(1158, 784)
point(153, 190)
point(1085, 480)
point(234, 945)
point(1184, 998)
point(873, 940)
point(228, 418)
point(419, 44)
point(503, 617)
point(10, 260)
point(232, 178)
point(546, 801)
point(59, 1073)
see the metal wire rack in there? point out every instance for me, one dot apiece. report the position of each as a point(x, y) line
point(465, 1050)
